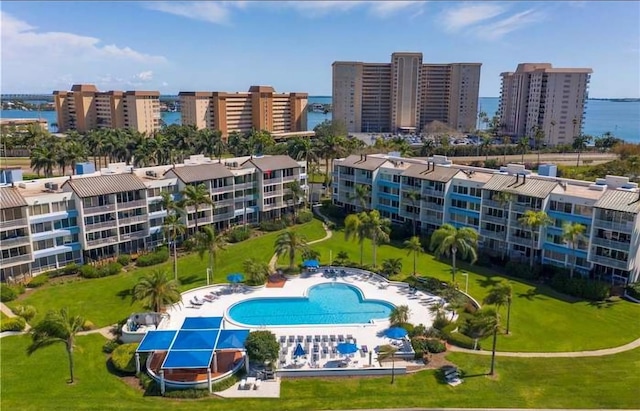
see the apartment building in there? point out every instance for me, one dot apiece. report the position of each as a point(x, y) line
point(48, 223)
point(260, 108)
point(538, 95)
point(23, 123)
point(434, 192)
point(405, 95)
point(85, 108)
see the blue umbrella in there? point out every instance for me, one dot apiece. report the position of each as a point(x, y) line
point(235, 277)
point(396, 333)
point(310, 264)
point(299, 351)
point(347, 348)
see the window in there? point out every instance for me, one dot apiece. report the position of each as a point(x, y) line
point(39, 209)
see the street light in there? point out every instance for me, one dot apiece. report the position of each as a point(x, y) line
point(466, 283)
point(208, 275)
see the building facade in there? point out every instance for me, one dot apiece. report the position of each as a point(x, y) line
point(434, 192)
point(405, 95)
point(538, 95)
point(48, 223)
point(260, 108)
point(85, 108)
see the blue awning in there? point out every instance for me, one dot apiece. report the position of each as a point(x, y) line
point(311, 263)
point(157, 341)
point(201, 323)
point(188, 359)
point(195, 340)
point(232, 339)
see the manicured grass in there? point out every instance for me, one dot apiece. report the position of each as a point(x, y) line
point(107, 300)
point(38, 382)
point(541, 319)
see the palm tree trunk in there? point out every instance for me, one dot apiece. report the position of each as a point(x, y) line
point(393, 369)
point(195, 219)
point(175, 260)
point(578, 162)
point(414, 262)
point(493, 351)
point(508, 315)
point(573, 251)
point(70, 355)
point(361, 252)
point(533, 245)
point(454, 251)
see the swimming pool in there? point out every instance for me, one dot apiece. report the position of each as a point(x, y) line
point(325, 304)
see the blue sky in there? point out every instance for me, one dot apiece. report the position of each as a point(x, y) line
point(228, 46)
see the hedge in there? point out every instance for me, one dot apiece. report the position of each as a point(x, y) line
point(13, 324)
point(634, 290)
point(38, 281)
point(25, 311)
point(239, 234)
point(88, 271)
point(273, 225)
point(124, 259)
point(123, 358)
point(304, 216)
point(581, 287)
point(461, 340)
point(159, 256)
point(7, 293)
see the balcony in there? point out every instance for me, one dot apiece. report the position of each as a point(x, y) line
point(19, 222)
point(99, 209)
point(134, 235)
point(494, 204)
point(223, 189)
point(428, 191)
point(133, 219)
point(99, 226)
point(618, 245)
point(492, 234)
point(626, 227)
point(610, 262)
point(432, 206)
point(243, 186)
point(521, 208)
point(429, 218)
point(275, 193)
point(14, 242)
point(520, 240)
point(25, 258)
point(494, 219)
point(224, 203)
point(268, 181)
point(132, 204)
point(102, 241)
point(289, 179)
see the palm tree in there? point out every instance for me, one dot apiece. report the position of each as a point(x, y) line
point(413, 245)
point(385, 352)
point(499, 295)
point(173, 228)
point(428, 147)
point(57, 326)
point(195, 196)
point(257, 271)
point(580, 144)
point(399, 315)
point(207, 241)
point(573, 233)
point(392, 266)
point(448, 240)
point(414, 198)
point(295, 194)
point(377, 229)
point(538, 138)
point(484, 146)
point(361, 195)
point(354, 228)
point(43, 159)
point(493, 323)
point(504, 199)
point(534, 220)
point(156, 290)
point(523, 145)
point(289, 243)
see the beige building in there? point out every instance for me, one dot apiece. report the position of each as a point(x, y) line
point(537, 94)
point(260, 108)
point(405, 95)
point(85, 108)
point(23, 123)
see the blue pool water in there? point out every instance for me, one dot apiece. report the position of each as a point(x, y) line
point(326, 304)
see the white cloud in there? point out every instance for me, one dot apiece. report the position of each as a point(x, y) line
point(498, 29)
point(377, 8)
point(145, 75)
point(386, 8)
point(218, 12)
point(470, 14)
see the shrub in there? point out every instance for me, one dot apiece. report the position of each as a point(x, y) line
point(431, 284)
point(418, 330)
point(38, 281)
point(88, 325)
point(109, 269)
point(304, 216)
point(441, 323)
point(461, 340)
point(407, 326)
point(89, 271)
point(634, 290)
point(159, 256)
point(110, 345)
point(25, 311)
point(124, 259)
point(581, 287)
point(522, 271)
point(71, 269)
point(123, 358)
point(188, 393)
point(333, 211)
point(7, 293)
point(228, 382)
point(13, 324)
point(238, 234)
point(470, 307)
point(431, 345)
point(262, 346)
point(273, 225)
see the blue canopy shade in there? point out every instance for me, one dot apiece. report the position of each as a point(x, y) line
point(396, 333)
point(299, 352)
point(157, 341)
point(232, 339)
point(347, 348)
point(235, 277)
point(188, 359)
point(311, 263)
point(201, 323)
point(195, 340)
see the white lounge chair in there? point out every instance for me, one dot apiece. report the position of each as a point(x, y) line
point(256, 385)
point(243, 384)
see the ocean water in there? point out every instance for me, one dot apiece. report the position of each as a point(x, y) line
point(620, 118)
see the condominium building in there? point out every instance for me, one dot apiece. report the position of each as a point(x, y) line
point(48, 223)
point(22, 123)
point(434, 192)
point(405, 95)
point(538, 95)
point(85, 108)
point(260, 108)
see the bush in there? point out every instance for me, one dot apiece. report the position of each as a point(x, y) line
point(123, 358)
point(25, 311)
point(273, 225)
point(442, 323)
point(418, 331)
point(304, 216)
point(188, 393)
point(110, 346)
point(13, 324)
point(70, 269)
point(238, 234)
point(522, 271)
point(431, 345)
point(124, 259)
point(89, 271)
point(333, 211)
point(407, 326)
point(581, 287)
point(228, 382)
point(88, 325)
point(262, 346)
point(430, 284)
point(7, 293)
point(109, 269)
point(461, 340)
point(634, 290)
point(38, 281)
point(159, 256)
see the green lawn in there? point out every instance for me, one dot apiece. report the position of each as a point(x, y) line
point(541, 320)
point(38, 382)
point(105, 301)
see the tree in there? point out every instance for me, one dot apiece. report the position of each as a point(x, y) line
point(156, 290)
point(501, 294)
point(207, 241)
point(262, 346)
point(257, 271)
point(399, 315)
point(386, 352)
point(538, 138)
point(504, 199)
point(43, 159)
point(414, 246)
point(448, 240)
point(361, 195)
point(493, 323)
point(196, 196)
point(506, 140)
point(391, 266)
point(534, 220)
point(295, 194)
point(523, 145)
point(414, 198)
point(354, 228)
point(341, 258)
point(289, 243)
point(573, 234)
point(580, 144)
point(377, 229)
point(57, 327)
point(485, 143)
point(428, 147)
point(172, 227)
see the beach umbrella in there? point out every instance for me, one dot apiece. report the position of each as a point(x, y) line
point(299, 351)
point(396, 333)
point(235, 277)
point(311, 264)
point(347, 348)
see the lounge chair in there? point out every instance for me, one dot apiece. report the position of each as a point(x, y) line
point(364, 349)
point(325, 338)
point(243, 384)
point(195, 301)
point(316, 338)
point(349, 337)
point(341, 338)
point(332, 338)
point(283, 339)
point(208, 298)
point(256, 386)
point(309, 338)
point(292, 339)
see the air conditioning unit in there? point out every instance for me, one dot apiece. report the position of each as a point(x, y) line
point(54, 187)
point(47, 185)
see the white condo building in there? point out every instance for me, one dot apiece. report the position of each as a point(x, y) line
point(475, 197)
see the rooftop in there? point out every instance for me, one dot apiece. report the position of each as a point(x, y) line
point(10, 197)
point(200, 172)
point(363, 162)
point(431, 172)
point(105, 184)
point(620, 200)
point(522, 185)
point(269, 163)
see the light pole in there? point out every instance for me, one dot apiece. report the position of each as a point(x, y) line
point(208, 275)
point(466, 283)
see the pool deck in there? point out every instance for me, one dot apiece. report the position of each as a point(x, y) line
point(369, 334)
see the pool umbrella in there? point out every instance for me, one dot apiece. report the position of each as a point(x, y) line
point(235, 277)
point(299, 351)
point(310, 264)
point(396, 333)
point(347, 348)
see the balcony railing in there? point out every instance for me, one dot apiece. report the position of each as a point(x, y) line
point(494, 219)
point(102, 241)
point(432, 206)
point(19, 222)
point(132, 204)
point(14, 242)
point(494, 204)
point(275, 193)
point(520, 240)
point(222, 189)
point(618, 245)
point(274, 180)
point(100, 209)
point(626, 227)
point(134, 219)
point(224, 203)
point(428, 191)
point(98, 226)
point(610, 262)
point(134, 235)
point(17, 259)
point(491, 234)
point(243, 186)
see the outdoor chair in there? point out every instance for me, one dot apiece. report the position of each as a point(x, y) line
point(256, 385)
point(325, 338)
point(341, 338)
point(283, 339)
point(333, 338)
point(243, 384)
